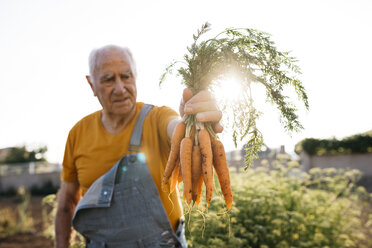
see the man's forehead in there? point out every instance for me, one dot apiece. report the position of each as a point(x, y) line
point(109, 56)
point(114, 58)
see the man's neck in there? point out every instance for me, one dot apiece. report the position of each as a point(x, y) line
point(114, 124)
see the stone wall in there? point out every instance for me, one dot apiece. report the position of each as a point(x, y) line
point(362, 162)
point(29, 181)
point(33, 176)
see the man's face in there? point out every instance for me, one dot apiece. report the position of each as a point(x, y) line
point(114, 83)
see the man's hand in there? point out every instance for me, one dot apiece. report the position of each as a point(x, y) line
point(204, 106)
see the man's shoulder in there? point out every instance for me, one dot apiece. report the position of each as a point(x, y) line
point(163, 112)
point(87, 120)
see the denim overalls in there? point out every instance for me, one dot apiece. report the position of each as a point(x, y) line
point(122, 208)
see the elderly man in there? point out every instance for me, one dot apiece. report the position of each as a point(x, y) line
point(115, 159)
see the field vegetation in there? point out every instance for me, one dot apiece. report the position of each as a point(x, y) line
point(274, 206)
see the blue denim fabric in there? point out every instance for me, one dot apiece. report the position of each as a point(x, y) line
point(128, 211)
point(123, 209)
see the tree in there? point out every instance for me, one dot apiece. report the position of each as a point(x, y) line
point(20, 154)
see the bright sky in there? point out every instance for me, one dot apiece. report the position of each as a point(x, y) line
point(44, 48)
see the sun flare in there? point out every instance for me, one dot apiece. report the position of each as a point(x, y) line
point(229, 90)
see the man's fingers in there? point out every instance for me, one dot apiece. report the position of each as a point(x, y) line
point(186, 95)
point(217, 127)
point(211, 116)
point(204, 106)
point(202, 96)
point(200, 107)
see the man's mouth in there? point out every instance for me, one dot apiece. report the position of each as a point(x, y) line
point(121, 100)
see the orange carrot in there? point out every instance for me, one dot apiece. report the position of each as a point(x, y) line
point(199, 189)
point(196, 170)
point(206, 152)
point(179, 174)
point(177, 136)
point(222, 170)
point(185, 159)
point(174, 177)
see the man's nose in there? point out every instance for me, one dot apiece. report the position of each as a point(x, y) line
point(119, 86)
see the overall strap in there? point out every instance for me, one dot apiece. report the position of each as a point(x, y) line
point(135, 139)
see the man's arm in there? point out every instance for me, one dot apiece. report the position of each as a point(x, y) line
point(171, 126)
point(68, 197)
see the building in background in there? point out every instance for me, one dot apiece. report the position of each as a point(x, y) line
point(235, 158)
point(22, 168)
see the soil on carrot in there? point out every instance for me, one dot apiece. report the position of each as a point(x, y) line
point(33, 239)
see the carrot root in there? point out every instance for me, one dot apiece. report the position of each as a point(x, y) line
point(185, 159)
point(206, 152)
point(196, 171)
point(177, 136)
point(222, 170)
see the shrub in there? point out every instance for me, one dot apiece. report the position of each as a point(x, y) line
point(360, 143)
point(46, 189)
point(280, 207)
point(19, 220)
point(284, 207)
point(11, 191)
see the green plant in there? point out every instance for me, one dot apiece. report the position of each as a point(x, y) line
point(359, 143)
point(251, 56)
point(19, 220)
point(25, 222)
point(8, 222)
point(49, 208)
point(284, 207)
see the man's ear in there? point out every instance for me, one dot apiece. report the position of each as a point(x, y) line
point(91, 84)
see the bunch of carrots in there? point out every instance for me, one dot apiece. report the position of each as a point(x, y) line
point(252, 57)
point(195, 151)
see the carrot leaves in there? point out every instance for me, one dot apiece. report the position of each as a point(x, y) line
point(252, 56)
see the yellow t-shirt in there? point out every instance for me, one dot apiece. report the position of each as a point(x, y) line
point(91, 151)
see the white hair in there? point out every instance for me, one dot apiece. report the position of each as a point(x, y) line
point(95, 54)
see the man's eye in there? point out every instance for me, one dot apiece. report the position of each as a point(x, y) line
point(125, 76)
point(110, 79)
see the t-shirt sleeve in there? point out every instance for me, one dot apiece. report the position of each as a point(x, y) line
point(165, 115)
point(69, 172)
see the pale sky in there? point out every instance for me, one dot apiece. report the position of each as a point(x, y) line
point(44, 48)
